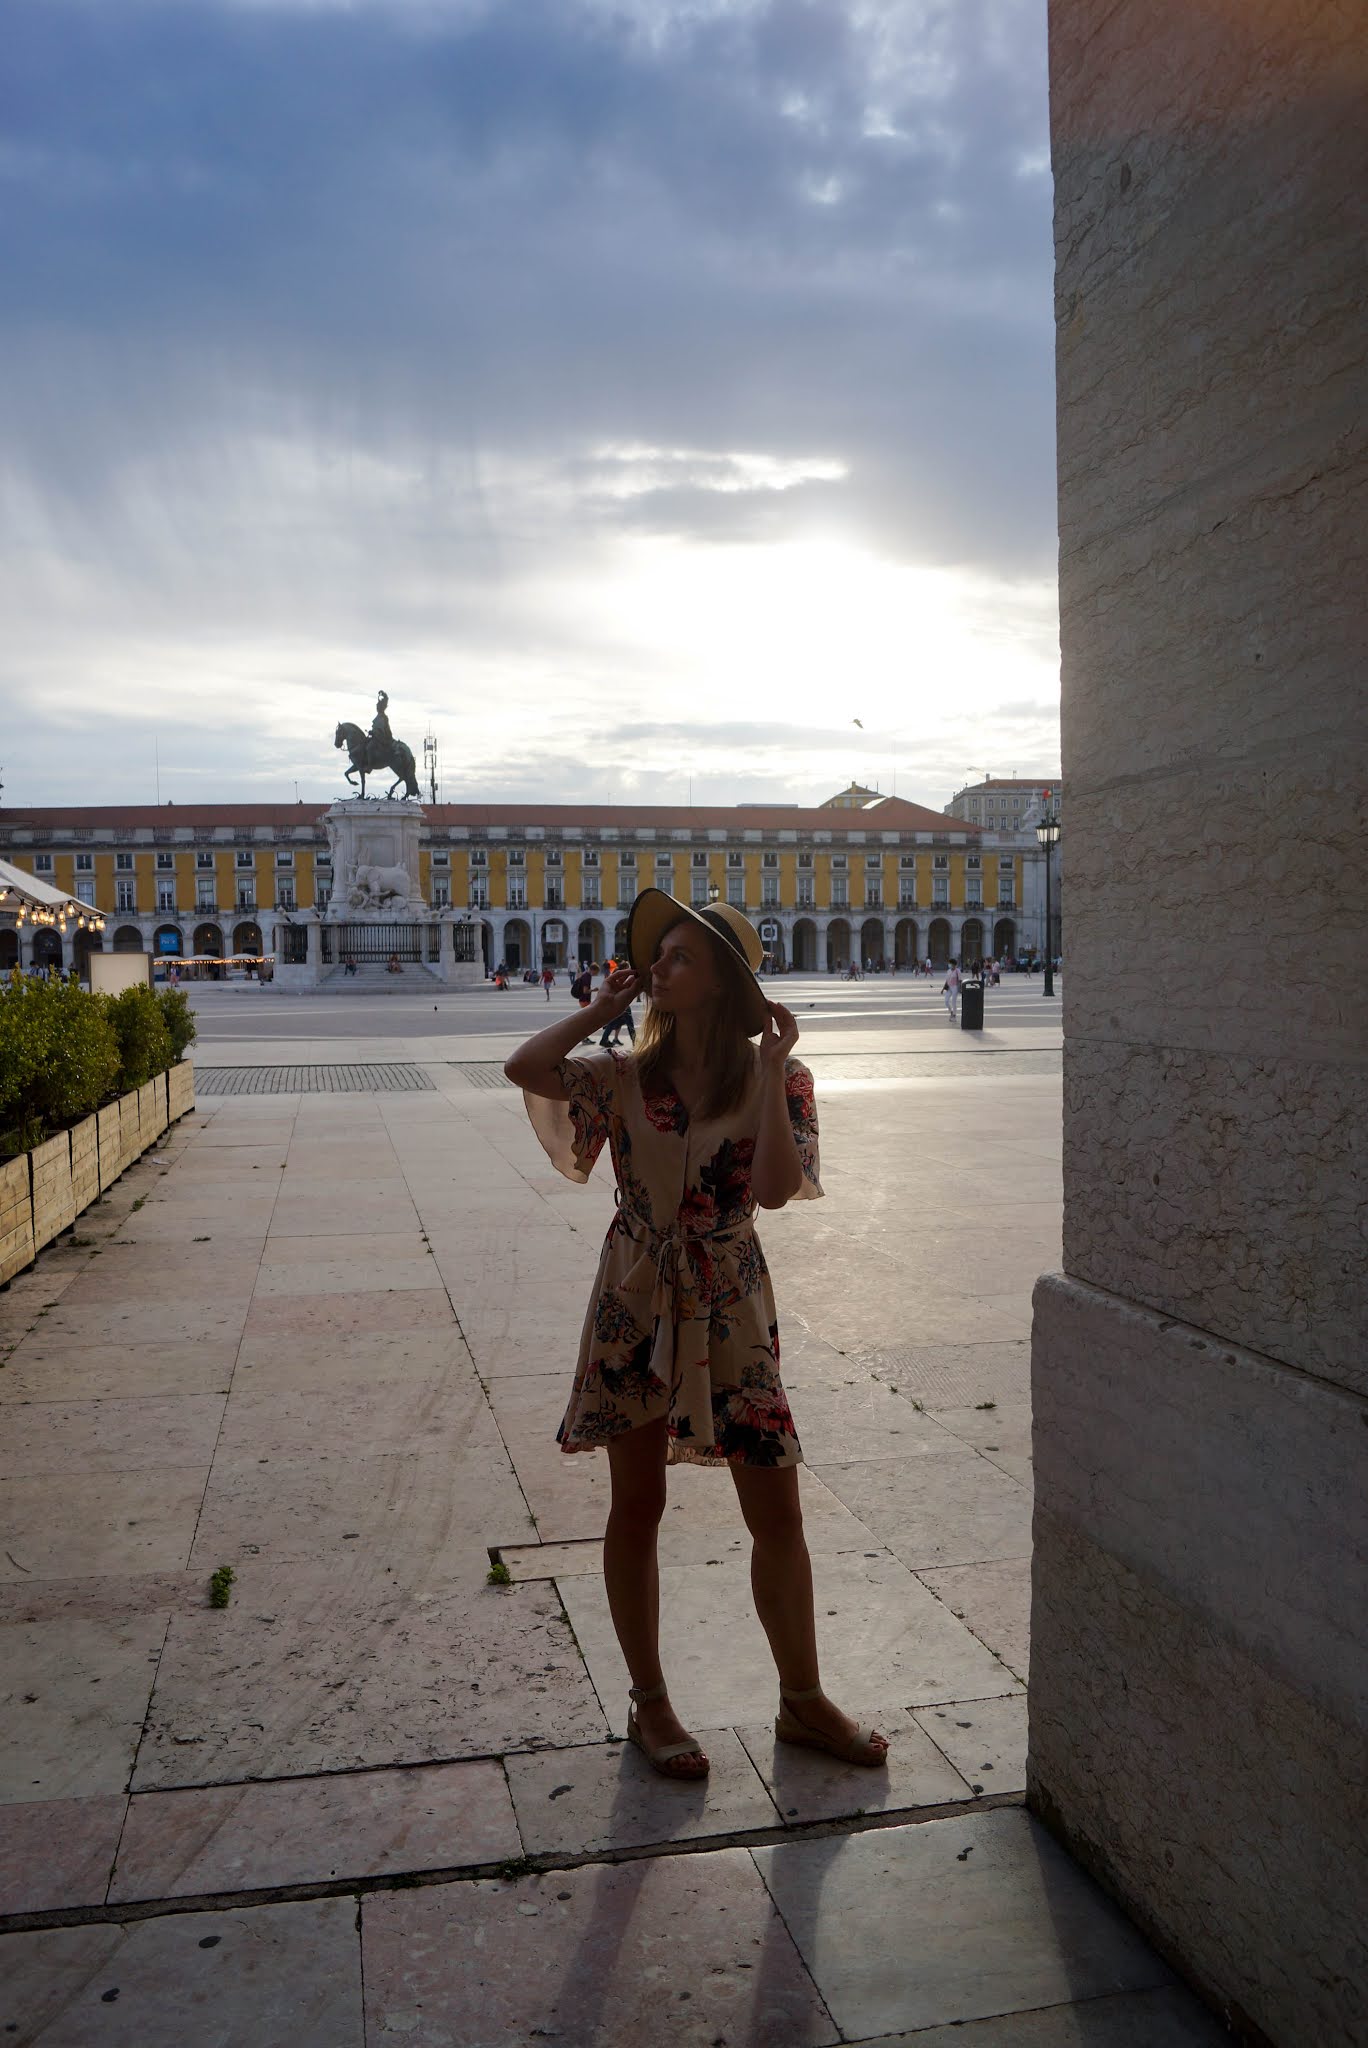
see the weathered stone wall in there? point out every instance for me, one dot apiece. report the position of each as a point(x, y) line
point(1198, 1697)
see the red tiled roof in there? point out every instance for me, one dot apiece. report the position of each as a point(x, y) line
point(892, 814)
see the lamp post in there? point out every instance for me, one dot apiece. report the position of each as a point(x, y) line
point(1047, 832)
point(713, 892)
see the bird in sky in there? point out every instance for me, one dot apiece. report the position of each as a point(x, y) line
point(859, 722)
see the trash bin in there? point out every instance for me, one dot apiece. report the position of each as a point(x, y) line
point(971, 1004)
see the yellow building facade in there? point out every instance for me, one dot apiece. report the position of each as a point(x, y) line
point(886, 884)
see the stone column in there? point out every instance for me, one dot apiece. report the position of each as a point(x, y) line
point(1199, 1664)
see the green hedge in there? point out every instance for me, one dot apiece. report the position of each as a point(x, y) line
point(65, 1052)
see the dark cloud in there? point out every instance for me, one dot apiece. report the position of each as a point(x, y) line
point(313, 318)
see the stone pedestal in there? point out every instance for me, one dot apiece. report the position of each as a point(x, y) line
point(374, 848)
point(1199, 1665)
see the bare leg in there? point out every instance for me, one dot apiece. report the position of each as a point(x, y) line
point(631, 1573)
point(781, 1583)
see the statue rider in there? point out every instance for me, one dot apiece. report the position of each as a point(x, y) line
point(381, 747)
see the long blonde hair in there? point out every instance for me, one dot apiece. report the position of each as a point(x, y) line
point(728, 1061)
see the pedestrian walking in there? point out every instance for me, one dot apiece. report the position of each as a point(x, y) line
point(951, 991)
point(702, 1127)
point(548, 976)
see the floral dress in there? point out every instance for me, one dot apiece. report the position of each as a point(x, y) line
point(682, 1321)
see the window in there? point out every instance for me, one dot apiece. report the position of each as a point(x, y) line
point(246, 895)
point(553, 856)
point(736, 888)
point(873, 892)
point(734, 860)
point(166, 863)
point(204, 892)
point(166, 895)
point(700, 860)
point(769, 891)
point(124, 896)
point(805, 892)
point(941, 863)
point(245, 860)
point(517, 856)
point(479, 857)
point(123, 863)
point(698, 888)
point(840, 891)
point(479, 892)
point(555, 898)
point(589, 893)
point(838, 863)
point(441, 892)
point(284, 860)
point(591, 856)
point(42, 863)
point(204, 860)
point(85, 892)
point(769, 860)
point(805, 860)
point(285, 894)
point(664, 869)
point(517, 892)
point(85, 865)
point(973, 860)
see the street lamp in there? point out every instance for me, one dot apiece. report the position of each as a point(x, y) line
point(713, 892)
point(1047, 832)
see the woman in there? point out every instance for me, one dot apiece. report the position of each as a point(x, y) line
point(679, 1357)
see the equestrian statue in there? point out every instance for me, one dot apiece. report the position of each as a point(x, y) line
point(376, 750)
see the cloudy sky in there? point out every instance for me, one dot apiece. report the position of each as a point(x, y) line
point(638, 390)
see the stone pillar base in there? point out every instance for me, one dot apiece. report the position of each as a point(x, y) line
point(1199, 1653)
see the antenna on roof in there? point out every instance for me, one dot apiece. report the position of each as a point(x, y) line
point(430, 763)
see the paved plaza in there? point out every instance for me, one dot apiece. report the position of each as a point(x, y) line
point(324, 1335)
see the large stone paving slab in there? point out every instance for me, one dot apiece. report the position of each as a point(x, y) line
point(951, 1920)
point(72, 1699)
point(1168, 2018)
point(57, 1853)
point(234, 1838)
point(885, 1642)
point(984, 1739)
point(442, 1414)
point(807, 1785)
point(429, 1518)
point(677, 1951)
point(956, 1508)
point(605, 1796)
point(64, 1524)
point(40, 1369)
point(116, 1435)
point(994, 1600)
point(272, 1976)
point(354, 1359)
point(318, 1669)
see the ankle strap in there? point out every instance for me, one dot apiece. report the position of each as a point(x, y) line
point(647, 1692)
point(813, 1692)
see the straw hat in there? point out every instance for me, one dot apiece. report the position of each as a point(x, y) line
point(654, 912)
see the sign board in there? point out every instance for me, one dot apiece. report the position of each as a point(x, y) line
point(168, 942)
point(769, 931)
point(553, 931)
point(110, 973)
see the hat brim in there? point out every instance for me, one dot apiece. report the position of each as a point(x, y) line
point(652, 915)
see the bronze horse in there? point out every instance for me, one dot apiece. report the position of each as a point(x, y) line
point(398, 758)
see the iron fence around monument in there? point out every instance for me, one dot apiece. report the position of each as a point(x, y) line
point(368, 943)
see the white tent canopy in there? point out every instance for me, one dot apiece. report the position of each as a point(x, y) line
point(30, 900)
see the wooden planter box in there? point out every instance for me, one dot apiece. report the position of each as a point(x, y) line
point(180, 1090)
point(54, 1210)
point(151, 1111)
point(16, 1217)
point(109, 1131)
point(85, 1164)
point(44, 1191)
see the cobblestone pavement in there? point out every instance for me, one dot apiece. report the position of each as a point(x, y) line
point(324, 1338)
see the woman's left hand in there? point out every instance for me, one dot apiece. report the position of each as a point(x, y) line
point(778, 1039)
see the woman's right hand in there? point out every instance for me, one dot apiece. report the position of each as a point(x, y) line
point(622, 987)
